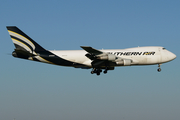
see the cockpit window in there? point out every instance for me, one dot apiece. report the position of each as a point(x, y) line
point(163, 48)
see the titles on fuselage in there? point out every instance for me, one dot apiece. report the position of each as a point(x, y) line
point(131, 53)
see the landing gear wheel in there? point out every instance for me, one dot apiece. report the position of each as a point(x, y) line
point(93, 71)
point(159, 69)
point(105, 71)
point(96, 70)
point(98, 73)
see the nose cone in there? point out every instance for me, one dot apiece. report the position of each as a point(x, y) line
point(167, 56)
point(172, 56)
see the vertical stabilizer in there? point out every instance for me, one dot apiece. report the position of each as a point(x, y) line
point(22, 41)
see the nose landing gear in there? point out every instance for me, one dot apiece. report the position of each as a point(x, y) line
point(159, 69)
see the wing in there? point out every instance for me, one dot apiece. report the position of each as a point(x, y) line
point(91, 50)
point(99, 58)
point(104, 59)
point(92, 53)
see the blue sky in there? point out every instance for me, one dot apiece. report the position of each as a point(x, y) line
point(31, 90)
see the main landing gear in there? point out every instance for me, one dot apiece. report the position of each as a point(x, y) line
point(159, 69)
point(98, 71)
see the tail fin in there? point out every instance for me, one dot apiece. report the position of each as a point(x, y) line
point(23, 42)
point(27, 48)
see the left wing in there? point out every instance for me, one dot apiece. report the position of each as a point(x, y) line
point(100, 58)
point(91, 50)
point(94, 54)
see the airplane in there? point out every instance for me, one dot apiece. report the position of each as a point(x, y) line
point(88, 58)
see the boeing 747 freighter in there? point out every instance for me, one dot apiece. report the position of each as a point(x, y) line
point(98, 60)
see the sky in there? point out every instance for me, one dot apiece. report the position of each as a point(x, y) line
point(37, 91)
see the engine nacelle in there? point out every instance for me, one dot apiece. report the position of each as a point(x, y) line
point(125, 62)
point(109, 57)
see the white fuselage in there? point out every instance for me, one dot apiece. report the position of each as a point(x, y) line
point(138, 55)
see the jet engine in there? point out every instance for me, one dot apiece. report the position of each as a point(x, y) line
point(109, 57)
point(124, 62)
point(127, 62)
